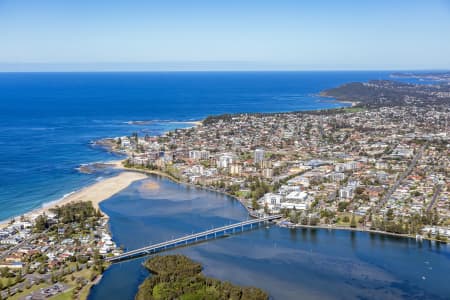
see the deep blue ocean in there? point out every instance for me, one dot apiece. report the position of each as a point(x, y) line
point(47, 120)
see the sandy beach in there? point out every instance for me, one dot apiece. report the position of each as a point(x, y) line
point(116, 164)
point(196, 123)
point(95, 193)
point(100, 191)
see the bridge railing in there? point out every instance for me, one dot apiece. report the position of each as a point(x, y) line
point(203, 234)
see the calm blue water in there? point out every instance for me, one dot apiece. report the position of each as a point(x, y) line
point(48, 119)
point(288, 264)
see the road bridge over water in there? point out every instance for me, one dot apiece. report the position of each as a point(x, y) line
point(194, 238)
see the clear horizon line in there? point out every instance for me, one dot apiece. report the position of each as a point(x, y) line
point(195, 66)
point(225, 70)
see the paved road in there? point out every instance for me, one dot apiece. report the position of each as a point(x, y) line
point(35, 279)
point(16, 247)
point(24, 242)
point(401, 177)
point(435, 195)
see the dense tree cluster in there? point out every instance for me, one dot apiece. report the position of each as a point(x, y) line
point(75, 212)
point(411, 225)
point(41, 223)
point(178, 277)
point(213, 119)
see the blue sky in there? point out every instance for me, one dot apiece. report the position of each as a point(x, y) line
point(232, 34)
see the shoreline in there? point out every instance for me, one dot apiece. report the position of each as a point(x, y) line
point(344, 228)
point(96, 193)
point(332, 99)
point(195, 123)
point(118, 165)
point(363, 230)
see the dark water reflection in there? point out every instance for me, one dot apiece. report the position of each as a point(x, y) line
point(289, 264)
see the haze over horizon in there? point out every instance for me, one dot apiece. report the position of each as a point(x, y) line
point(200, 35)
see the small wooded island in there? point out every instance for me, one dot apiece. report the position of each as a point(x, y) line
point(178, 277)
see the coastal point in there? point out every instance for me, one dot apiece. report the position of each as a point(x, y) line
point(225, 150)
point(377, 167)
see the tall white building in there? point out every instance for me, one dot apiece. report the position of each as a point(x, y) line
point(225, 160)
point(204, 154)
point(235, 169)
point(199, 155)
point(272, 200)
point(194, 154)
point(259, 156)
point(346, 192)
point(267, 173)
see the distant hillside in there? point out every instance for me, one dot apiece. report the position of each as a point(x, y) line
point(378, 93)
point(434, 76)
point(372, 94)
